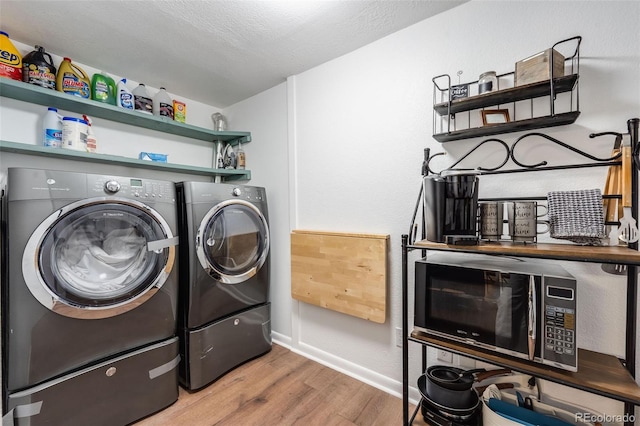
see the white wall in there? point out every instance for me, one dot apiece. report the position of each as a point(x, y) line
point(357, 129)
point(265, 115)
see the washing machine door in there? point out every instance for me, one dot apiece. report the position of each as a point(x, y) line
point(98, 258)
point(232, 241)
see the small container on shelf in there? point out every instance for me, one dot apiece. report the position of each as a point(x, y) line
point(179, 111)
point(488, 82)
point(152, 156)
point(536, 68)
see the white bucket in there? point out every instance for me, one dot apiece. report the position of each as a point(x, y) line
point(74, 133)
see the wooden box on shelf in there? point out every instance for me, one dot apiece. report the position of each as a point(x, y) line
point(536, 67)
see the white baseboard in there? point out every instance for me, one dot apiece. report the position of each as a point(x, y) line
point(377, 380)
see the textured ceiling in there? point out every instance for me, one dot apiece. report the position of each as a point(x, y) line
point(216, 52)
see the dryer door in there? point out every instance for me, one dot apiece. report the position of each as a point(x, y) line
point(233, 241)
point(98, 258)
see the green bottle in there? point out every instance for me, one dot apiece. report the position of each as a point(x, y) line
point(103, 88)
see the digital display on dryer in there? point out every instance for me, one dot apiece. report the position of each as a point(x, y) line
point(136, 182)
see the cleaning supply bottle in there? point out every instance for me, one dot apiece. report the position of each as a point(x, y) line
point(103, 88)
point(73, 80)
point(240, 157)
point(52, 129)
point(163, 104)
point(143, 101)
point(38, 69)
point(10, 58)
point(92, 142)
point(125, 97)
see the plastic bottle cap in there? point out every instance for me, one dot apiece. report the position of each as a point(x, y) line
point(66, 59)
point(53, 109)
point(3, 33)
point(79, 120)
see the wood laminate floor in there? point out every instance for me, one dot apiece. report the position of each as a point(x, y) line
point(283, 388)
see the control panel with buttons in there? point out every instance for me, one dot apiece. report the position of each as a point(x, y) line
point(559, 313)
point(146, 190)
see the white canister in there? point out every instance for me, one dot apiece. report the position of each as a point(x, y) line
point(74, 133)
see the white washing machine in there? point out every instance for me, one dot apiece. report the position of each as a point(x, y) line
point(225, 317)
point(89, 303)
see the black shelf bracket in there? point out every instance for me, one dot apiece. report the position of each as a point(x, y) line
point(558, 142)
point(500, 142)
point(510, 153)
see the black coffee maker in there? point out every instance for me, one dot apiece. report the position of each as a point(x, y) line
point(451, 207)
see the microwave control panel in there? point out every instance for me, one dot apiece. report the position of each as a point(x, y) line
point(559, 315)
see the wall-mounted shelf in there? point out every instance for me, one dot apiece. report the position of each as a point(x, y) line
point(448, 126)
point(513, 94)
point(513, 126)
point(21, 148)
point(39, 95)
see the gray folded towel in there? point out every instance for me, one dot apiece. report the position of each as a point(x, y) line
point(577, 216)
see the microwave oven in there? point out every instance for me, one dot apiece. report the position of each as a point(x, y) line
point(517, 307)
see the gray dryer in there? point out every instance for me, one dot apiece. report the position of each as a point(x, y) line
point(224, 317)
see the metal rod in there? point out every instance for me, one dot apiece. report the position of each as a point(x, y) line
point(543, 169)
point(405, 341)
point(501, 142)
point(557, 142)
point(632, 275)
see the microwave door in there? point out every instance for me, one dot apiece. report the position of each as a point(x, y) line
point(532, 323)
point(512, 320)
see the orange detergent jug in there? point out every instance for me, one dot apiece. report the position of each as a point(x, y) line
point(10, 58)
point(73, 80)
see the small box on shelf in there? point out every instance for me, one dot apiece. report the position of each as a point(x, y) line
point(535, 68)
point(152, 156)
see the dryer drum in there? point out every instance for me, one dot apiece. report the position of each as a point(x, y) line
point(233, 241)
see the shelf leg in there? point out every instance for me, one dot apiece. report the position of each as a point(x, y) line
point(405, 342)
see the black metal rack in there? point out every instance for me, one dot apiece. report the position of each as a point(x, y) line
point(445, 108)
point(620, 385)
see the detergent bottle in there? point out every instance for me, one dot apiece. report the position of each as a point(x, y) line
point(10, 58)
point(143, 101)
point(73, 80)
point(38, 69)
point(125, 97)
point(52, 129)
point(92, 142)
point(163, 104)
point(103, 88)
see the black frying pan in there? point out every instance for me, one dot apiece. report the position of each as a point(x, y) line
point(457, 379)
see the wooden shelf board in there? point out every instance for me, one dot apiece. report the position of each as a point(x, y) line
point(21, 148)
point(510, 127)
point(47, 97)
point(573, 252)
point(597, 373)
point(513, 94)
